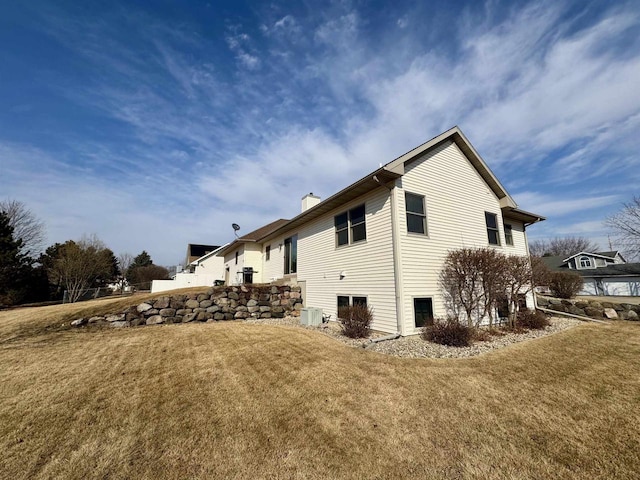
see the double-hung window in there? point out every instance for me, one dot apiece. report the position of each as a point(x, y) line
point(350, 226)
point(416, 216)
point(492, 228)
point(508, 234)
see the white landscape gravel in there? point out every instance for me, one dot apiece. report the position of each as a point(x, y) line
point(415, 347)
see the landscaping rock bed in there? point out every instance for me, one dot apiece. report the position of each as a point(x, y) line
point(591, 308)
point(415, 347)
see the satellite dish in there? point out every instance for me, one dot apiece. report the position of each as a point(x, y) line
point(236, 227)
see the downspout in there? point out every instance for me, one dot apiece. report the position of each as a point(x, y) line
point(396, 263)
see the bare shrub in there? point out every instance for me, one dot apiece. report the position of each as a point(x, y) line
point(449, 332)
point(355, 320)
point(472, 281)
point(565, 284)
point(532, 319)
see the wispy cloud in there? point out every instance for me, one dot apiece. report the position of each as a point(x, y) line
point(235, 127)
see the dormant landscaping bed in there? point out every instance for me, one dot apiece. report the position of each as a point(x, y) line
point(415, 347)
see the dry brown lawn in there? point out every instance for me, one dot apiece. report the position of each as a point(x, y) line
point(234, 400)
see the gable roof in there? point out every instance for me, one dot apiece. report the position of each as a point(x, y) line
point(254, 236)
point(198, 249)
point(591, 254)
point(610, 254)
point(396, 168)
point(207, 255)
point(616, 270)
point(558, 263)
point(390, 172)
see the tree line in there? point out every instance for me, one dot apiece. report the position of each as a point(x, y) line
point(28, 274)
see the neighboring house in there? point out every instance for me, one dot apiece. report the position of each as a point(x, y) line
point(383, 239)
point(201, 272)
point(243, 258)
point(196, 251)
point(603, 273)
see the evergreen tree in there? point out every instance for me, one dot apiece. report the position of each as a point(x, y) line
point(15, 267)
point(142, 260)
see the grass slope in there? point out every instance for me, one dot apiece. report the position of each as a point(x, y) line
point(234, 400)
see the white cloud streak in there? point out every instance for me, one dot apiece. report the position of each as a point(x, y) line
point(313, 104)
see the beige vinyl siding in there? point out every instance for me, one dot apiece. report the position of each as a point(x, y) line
point(253, 258)
point(274, 268)
point(368, 265)
point(213, 265)
point(456, 198)
point(230, 264)
point(519, 234)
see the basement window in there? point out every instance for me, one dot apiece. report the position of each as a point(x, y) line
point(348, 300)
point(423, 311)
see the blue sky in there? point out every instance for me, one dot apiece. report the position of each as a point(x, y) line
point(157, 124)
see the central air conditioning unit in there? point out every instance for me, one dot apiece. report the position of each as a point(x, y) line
point(311, 316)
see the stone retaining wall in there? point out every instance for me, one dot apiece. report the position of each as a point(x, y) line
point(218, 303)
point(591, 308)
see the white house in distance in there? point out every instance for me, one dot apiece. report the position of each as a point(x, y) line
point(201, 272)
point(382, 240)
point(603, 273)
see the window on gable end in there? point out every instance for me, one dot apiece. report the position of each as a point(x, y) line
point(416, 217)
point(493, 233)
point(585, 262)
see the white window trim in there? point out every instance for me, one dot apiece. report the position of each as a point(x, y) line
point(424, 219)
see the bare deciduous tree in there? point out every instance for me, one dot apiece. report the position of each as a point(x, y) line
point(26, 226)
point(124, 262)
point(626, 225)
point(81, 263)
point(563, 246)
